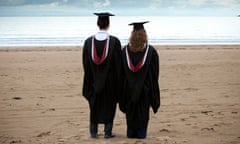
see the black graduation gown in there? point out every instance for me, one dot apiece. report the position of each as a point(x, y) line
point(140, 88)
point(101, 84)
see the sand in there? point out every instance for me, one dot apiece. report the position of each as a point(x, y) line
point(41, 97)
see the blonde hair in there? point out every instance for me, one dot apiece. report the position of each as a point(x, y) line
point(137, 40)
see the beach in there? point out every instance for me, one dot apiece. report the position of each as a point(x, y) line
point(41, 97)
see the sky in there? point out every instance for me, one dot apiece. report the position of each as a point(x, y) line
point(120, 7)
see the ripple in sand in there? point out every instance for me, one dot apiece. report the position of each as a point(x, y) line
point(164, 90)
point(191, 89)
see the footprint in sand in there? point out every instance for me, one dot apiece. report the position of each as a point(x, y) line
point(206, 112)
point(139, 142)
point(192, 116)
point(169, 125)
point(183, 119)
point(38, 104)
point(15, 141)
point(195, 127)
point(220, 113)
point(44, 134)
point(164, 130)
point(51, 109)
point(61, 140)
point(17, 98)
point(222, 124)
point(226, 96)
point(208, 129)
point(191, 89)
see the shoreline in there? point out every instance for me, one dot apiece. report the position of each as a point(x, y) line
point(159, 47)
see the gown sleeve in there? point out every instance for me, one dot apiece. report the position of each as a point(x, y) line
point(87, 71)
point(118, 69)
point(122, 97)
point(155, 101)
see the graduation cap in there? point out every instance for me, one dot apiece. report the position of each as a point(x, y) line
point(138, 25)
point(103, 19)
point(103, 15)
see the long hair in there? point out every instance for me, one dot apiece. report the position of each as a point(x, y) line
point(137, 40)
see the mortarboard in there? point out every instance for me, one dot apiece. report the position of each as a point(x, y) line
point(138, 25)
point(103, 14)
point(103, 19)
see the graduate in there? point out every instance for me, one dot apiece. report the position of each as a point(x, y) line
point(140, 86)
point(101, 86)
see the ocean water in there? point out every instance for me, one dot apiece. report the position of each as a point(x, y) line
point(42, 31)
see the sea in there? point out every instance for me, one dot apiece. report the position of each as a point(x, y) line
point(72, 31)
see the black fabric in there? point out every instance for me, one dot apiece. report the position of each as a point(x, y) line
point(137, 133)
point(108, 129)
point(135, 80)
point(136, 56)
point(100, 46)
point(103, 14)
point(93, 129)
point(101, 84)
point(140, 90)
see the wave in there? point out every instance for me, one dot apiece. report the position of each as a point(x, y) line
point(79, 41)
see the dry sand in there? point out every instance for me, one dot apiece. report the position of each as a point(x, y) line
point(41, 100)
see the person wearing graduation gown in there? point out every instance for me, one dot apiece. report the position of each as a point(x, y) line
point(101, 86)
point(140, 86)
